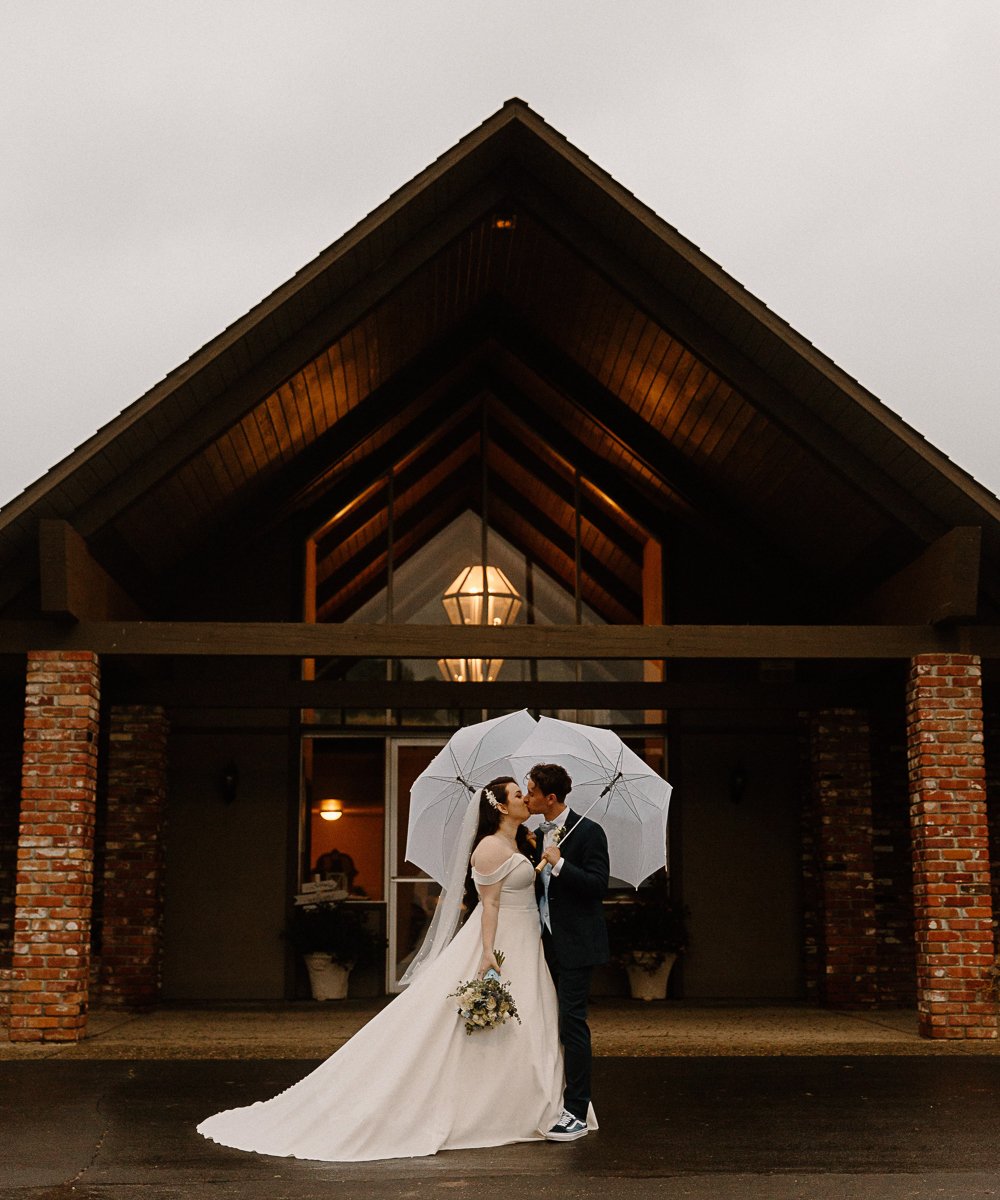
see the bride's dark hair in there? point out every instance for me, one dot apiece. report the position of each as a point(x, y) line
point(489, 822)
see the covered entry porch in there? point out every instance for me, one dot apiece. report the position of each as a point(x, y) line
point(830, 835)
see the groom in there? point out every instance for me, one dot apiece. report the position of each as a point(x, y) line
point(570, 891)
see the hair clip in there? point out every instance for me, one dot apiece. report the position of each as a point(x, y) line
point(491, 798)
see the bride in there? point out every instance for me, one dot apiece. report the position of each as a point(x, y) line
point(412, 1081)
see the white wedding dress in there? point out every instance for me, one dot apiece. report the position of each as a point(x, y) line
point(412, 1081)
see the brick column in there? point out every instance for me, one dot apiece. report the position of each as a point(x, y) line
point(133, 862)
point(844, 883)
point(951, 865)
point(991, 749)
point(55, 857)
point(10, 805)
point(893, 860)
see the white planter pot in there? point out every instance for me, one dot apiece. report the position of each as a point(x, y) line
point(646, 983)
point(327, 978)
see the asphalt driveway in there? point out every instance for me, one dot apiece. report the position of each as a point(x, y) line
point(769, 1127)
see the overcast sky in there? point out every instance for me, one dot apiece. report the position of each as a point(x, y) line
point(163, 166)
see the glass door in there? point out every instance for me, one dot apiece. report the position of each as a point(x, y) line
point(412, 894)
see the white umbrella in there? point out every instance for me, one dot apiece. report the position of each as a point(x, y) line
point(440, 794)
point(612, 786)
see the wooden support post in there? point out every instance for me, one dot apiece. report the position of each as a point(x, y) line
point(940, 585)
point(72, 584)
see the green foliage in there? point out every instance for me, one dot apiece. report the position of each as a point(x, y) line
point(336, 929)
point(650, 925)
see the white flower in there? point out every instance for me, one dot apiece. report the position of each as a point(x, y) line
point(485, 1003)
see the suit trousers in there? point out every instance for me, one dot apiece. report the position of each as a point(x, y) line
point(572, 989)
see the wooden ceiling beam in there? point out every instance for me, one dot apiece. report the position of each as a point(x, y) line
point(263, 639)
point(613, 417)
point(456, 490)
point(426, 390)
point(603, 582)
point(751, 560)
point(766, 394)
point(321, 694)
point(233, 402)
point(537, 510)
point(451, 410)
point(529, 453)
point(448, 409)
point(940, 585)
point(530, 411)
point(424, 394)
point(444, 442)
point(72, 583)
point(456, 500)
point(406, 545)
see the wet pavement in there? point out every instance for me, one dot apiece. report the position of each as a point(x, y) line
point(819, 1123)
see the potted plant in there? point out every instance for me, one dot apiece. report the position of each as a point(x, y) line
point(647, 933)
point(331, 937)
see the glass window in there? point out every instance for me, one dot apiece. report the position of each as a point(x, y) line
point(344, 783)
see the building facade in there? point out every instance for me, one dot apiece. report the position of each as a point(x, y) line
point(237, 622)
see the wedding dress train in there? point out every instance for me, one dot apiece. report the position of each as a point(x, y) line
point(412, 1082)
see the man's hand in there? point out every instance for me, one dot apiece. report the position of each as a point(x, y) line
point(551, 855)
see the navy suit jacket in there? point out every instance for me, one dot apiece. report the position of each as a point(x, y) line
point(576, 894)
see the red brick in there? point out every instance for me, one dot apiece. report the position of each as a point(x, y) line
point(951, 851)
point(55, 849)
point(130, 961)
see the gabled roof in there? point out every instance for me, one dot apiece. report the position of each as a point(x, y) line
point(515, 271)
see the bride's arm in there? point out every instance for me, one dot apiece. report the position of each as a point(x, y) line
point(489, 856)
point(489, 902)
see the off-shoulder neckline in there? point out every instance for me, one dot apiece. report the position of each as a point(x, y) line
point(516, 854)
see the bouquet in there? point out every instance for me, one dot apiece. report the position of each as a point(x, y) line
point(487, 1002)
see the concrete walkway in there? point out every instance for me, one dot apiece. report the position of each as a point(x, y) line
point(620, 1028)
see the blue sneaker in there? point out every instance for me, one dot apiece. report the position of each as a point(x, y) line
point(567, 1129)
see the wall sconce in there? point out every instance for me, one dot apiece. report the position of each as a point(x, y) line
point(330, 810)
point(478, 596)
point(229, 782)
